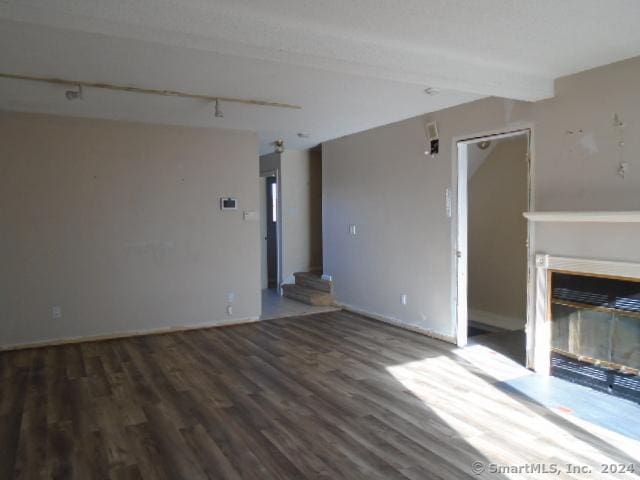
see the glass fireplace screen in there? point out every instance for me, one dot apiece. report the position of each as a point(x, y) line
point(596, 320)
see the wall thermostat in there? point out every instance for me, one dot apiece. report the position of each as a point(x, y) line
point(228, 204)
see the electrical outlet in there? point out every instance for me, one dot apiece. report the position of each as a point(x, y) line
point(352, 230)
point(403, 299)
point(56, 312)
point(229, 310)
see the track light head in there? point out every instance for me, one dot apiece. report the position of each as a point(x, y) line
point(279, 144)
point(218, 111)
point(74, 94)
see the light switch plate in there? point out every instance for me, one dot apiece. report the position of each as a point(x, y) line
point(250, 215)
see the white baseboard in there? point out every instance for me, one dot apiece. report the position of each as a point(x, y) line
point(398, 323)
point(129, 333)
point(495, 320)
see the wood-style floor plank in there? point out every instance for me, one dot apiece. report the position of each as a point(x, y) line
point(327, 396)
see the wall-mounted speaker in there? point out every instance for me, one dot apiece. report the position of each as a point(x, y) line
point(431, 130)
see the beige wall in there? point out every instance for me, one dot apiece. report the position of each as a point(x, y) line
point(497, 235)
point(301, 212)
point(381, 181)
point(119, 225)
point(269, 163)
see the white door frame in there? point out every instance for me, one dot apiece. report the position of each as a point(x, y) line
point(276, 173)
point(459, 233)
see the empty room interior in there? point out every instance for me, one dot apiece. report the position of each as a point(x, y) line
point(298, 240)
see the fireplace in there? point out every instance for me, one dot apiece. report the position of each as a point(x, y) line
point(586, 323)
point(595, 331)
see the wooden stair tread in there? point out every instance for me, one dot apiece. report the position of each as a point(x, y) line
point(313, 280)
point(310, 296)
point(317, 275)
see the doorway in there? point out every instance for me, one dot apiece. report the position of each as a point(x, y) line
point(492, 242)
point(270, 231)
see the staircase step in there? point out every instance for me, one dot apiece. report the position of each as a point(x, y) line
point(307, 295)
point(313, 280)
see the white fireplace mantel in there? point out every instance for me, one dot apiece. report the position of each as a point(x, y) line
point(630, 216)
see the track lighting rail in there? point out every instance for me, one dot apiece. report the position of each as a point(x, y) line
point(149, 91)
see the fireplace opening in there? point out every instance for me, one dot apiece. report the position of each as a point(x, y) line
point(595, 332)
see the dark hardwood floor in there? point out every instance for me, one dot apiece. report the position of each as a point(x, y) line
point(328, 396)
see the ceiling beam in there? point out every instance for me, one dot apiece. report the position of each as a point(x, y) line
point(276, 39)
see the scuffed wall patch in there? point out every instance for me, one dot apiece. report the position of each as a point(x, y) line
point(588, 143)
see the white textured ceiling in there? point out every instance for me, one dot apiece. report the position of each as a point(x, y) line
point(351, 65)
